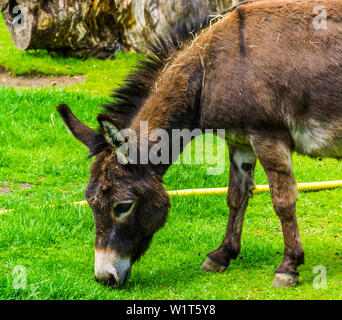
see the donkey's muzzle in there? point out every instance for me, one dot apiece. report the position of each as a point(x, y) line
point(114, 280)
point(111, 270)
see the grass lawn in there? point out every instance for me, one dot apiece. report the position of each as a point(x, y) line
point(55, 242)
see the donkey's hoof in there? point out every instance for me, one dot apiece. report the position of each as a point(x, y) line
point(210, 265)
point(284, 280)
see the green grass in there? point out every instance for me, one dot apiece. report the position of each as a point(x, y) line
point(54, 241)
point(101, 75)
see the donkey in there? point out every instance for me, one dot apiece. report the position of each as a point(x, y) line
point(265, 71)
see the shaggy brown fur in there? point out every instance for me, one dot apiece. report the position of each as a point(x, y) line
point(264, 74)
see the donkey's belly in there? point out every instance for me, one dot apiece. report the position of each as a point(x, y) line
point(317, 140)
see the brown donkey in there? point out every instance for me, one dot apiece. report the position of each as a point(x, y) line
point(269, 73)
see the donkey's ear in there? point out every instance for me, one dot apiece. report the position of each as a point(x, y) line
point(94, 141)
point(111, 132)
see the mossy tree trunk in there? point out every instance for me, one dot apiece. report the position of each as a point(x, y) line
point(97, 28)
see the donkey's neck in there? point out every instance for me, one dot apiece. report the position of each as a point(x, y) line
point(173, 104)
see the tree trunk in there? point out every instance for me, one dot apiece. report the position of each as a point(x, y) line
point(148, 18)
point(76, 27)
point(98, 28)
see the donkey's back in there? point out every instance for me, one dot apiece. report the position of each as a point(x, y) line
point(279, 64)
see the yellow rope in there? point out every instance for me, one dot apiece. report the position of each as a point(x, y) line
point(312, 186)
point(5, 211)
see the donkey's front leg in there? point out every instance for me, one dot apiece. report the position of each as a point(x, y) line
point(273, 151)
point(241, 184)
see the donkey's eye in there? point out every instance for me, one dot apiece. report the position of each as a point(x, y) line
point(123, 208)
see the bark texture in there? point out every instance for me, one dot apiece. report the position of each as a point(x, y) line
point(97, 28)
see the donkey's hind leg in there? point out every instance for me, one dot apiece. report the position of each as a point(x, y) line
point(273, 151)
point(241, 184)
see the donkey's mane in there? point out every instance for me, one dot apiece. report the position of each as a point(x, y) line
point(129, 98)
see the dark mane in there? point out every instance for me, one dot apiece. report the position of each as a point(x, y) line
point(129, 98)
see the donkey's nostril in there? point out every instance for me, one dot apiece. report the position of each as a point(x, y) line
point(112, 282)
point(107, 276)
point(109, 281)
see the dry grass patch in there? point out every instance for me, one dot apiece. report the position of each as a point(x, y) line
point(38, 80)
point(7, 187)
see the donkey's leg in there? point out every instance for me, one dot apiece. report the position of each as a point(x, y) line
point(241, 184)
point(273, 151)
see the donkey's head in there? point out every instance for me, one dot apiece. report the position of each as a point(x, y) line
point(129, 203)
